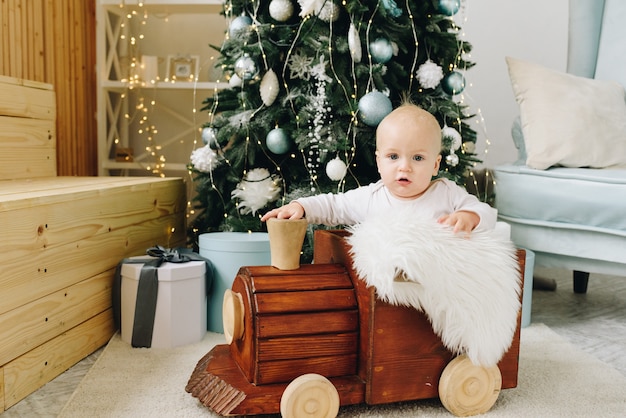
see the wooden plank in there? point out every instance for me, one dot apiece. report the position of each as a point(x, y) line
point(27, 163)
point(282, 325)
point(25, 132)
point(29, 372)
point(38, 273)
point(24, 328)
point(286, 370)
point(46, 223)
point(4, 52)
point(2, 404)
point(38, 45)
point(24, 101)
point(310, 301)
point(49, 41)
point(18, 194)
point(320, 345)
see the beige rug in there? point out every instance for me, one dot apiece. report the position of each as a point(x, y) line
point(555, 380)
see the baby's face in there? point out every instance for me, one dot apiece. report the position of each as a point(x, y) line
point(407, 154)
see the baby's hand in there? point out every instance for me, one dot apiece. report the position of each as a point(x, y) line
point(461, 221)
point(293, 210)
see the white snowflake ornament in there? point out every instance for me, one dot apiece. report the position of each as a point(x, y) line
point(256, 190)
point(204, 159)
point(429, 75)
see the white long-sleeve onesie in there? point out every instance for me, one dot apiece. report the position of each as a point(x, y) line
point(442, 197)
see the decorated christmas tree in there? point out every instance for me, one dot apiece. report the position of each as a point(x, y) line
point(309, 81)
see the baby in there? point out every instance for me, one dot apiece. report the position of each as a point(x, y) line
point(408, 154)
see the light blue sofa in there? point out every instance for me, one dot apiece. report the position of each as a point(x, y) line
point(572, 214)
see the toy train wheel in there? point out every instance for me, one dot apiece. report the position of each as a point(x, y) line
point(466, 389)
point(232, 316)
point(310, 396)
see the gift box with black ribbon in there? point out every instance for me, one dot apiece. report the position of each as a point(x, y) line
point(160, 300)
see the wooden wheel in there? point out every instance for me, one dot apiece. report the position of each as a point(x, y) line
point(232, 316)
point(310, 396)
point(466, 389)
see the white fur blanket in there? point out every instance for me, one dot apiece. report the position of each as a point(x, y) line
point(468, 288)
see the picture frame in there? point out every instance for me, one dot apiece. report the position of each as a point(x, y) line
point(182, 67)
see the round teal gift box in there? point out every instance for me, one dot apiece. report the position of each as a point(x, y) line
point(228, 252)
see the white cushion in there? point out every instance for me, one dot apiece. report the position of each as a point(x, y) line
point(568, 120)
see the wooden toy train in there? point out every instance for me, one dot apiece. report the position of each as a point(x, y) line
point(303, 342)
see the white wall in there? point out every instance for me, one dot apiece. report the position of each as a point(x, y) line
point(532, 30)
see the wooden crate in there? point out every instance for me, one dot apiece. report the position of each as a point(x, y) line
point(62, 238)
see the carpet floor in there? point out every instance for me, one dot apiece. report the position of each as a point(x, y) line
point(554, 380)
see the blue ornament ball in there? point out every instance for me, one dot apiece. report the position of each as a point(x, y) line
point(238, 24)
point(209, 135)
point(449, 7)
point(381, 50)
point(373, 107)
point(278, 141)
point(453, 83)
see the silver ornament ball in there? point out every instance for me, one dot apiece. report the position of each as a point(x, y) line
point(373, 107)
point(381, 50)
point(452, 160)
point(278, 141)
point(449, 7)
point(246, 68)
point(453, 83)
point(238, 24)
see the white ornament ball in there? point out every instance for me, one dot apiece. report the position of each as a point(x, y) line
point(246, 68)
point(239, 24)
point(269, 87)
point(278, 141)
point(336, 169)
point(329, 12)
point(381, 50)
point(281, 10)
point(373, 107)
point(209, 135)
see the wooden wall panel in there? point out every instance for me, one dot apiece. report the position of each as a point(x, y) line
point(53, 41)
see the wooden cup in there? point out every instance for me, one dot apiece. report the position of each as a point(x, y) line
point(286, 239)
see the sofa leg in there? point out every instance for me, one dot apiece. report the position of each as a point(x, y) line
point(581, 279)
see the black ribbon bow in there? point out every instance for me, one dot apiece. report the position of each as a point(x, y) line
point(148, 287)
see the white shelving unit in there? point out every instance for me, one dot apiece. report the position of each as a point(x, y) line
point(159, 119)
